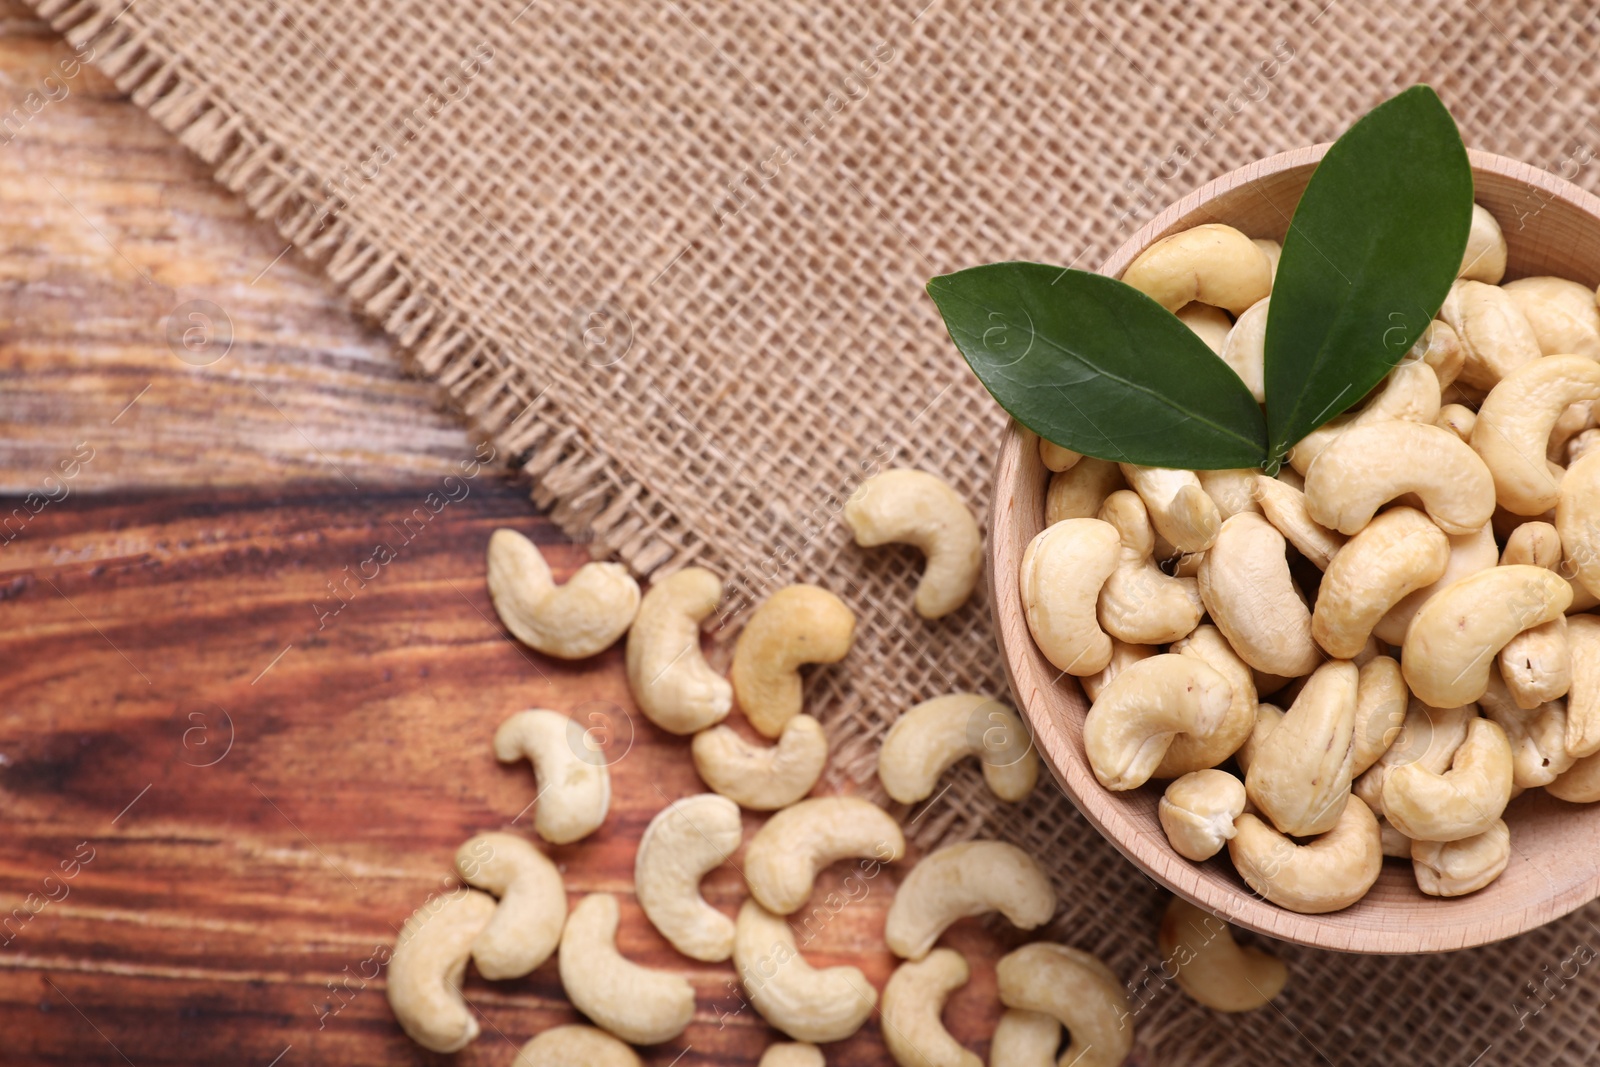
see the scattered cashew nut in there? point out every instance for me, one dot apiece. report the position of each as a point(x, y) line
point(572, 621)
point(1330, 873)
point(928, 739)
point(428, 964)
point(783, 858)
point(798, 624)
point(1076, 990)
point(1213, 968)
point(675, 687)
point(791, 1054)
point(1212, 264)
point(639, 1005)
point(1060, 579)
point(526, 927)
point(1197, 812)
point(685, 841)
point(762, 777)
point(576, 1046)
point(913, 1000)
point(1024, 1039)
point(807, 1003)
point(1129, 728)
point(963, 880)
point(904, 506)
point(574, 783)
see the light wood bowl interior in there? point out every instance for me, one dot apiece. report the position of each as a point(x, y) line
point(1552, 227)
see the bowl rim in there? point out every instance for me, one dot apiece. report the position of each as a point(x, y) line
point(1154, 856)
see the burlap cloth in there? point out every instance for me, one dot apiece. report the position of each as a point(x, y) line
point(671, 257)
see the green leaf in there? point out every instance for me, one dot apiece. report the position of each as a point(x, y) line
point(1096, 366)
point(1369, 257)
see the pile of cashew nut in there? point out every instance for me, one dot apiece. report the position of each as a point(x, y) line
point(510, 914)
point(1374, 651)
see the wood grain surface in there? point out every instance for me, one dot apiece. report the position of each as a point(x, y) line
point(250, 790)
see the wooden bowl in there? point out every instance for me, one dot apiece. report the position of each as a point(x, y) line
point(1551, 227)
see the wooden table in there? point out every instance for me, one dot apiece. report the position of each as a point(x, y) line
point(251, 789)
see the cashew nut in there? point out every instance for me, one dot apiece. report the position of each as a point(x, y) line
point(571, 621)
point(762, 777)
point(1395, 843)
point(1458, 419)
point(1453, 641)
point(1194, 752)
point(1122, 655)
point(428, 964)
point(783, 858)
point(1285, 507)
point(1515, 423)
point(792, 1054)
point(1245, 348)
point(1428, 736)
point(1056, 458)
point(1562, 313)
point(1537, 664)
point(927, 740)
point(1268, 716)
point(576, 1046)
point(1300, 774)
point(637, 1004)
point(1331, 872)
point(1213, 264)
point(1129, 728)
point(1078, 493)
point(913, 1000)
point(1076, 990)
point(1538, 737)
point(1272, 249)
point(1367, 466)
point(1410, 393)
point(1397, 552)
point(797, 624)
point(526, 927)
point(1024, 1039)
point(913, 507)
point(1440, 348)
point(675, 687)
point(1534, 543)
point(1579, 784)
point(1485, 257)
point(1060, 578)
point(1581, 445)
point(1583, 699)
point(807, 1003)
point(1246, 587)
point(1179, 508)
point(687, 839)
point(1208, 323)
point(1496, 337)
point(1578, 519)
point(1464, 801)
point(1140, 603)
point(1381, 700)
point(1456, 868)
point(1197, 812)
point(963, 880)
point(1469, 554)
point(574, 783)
point(1213, 968)
point(1232, 491)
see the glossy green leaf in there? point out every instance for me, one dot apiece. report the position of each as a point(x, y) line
point(1096, 366)
point(1369, 257)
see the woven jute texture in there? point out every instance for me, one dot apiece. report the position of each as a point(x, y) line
point(671, 257)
